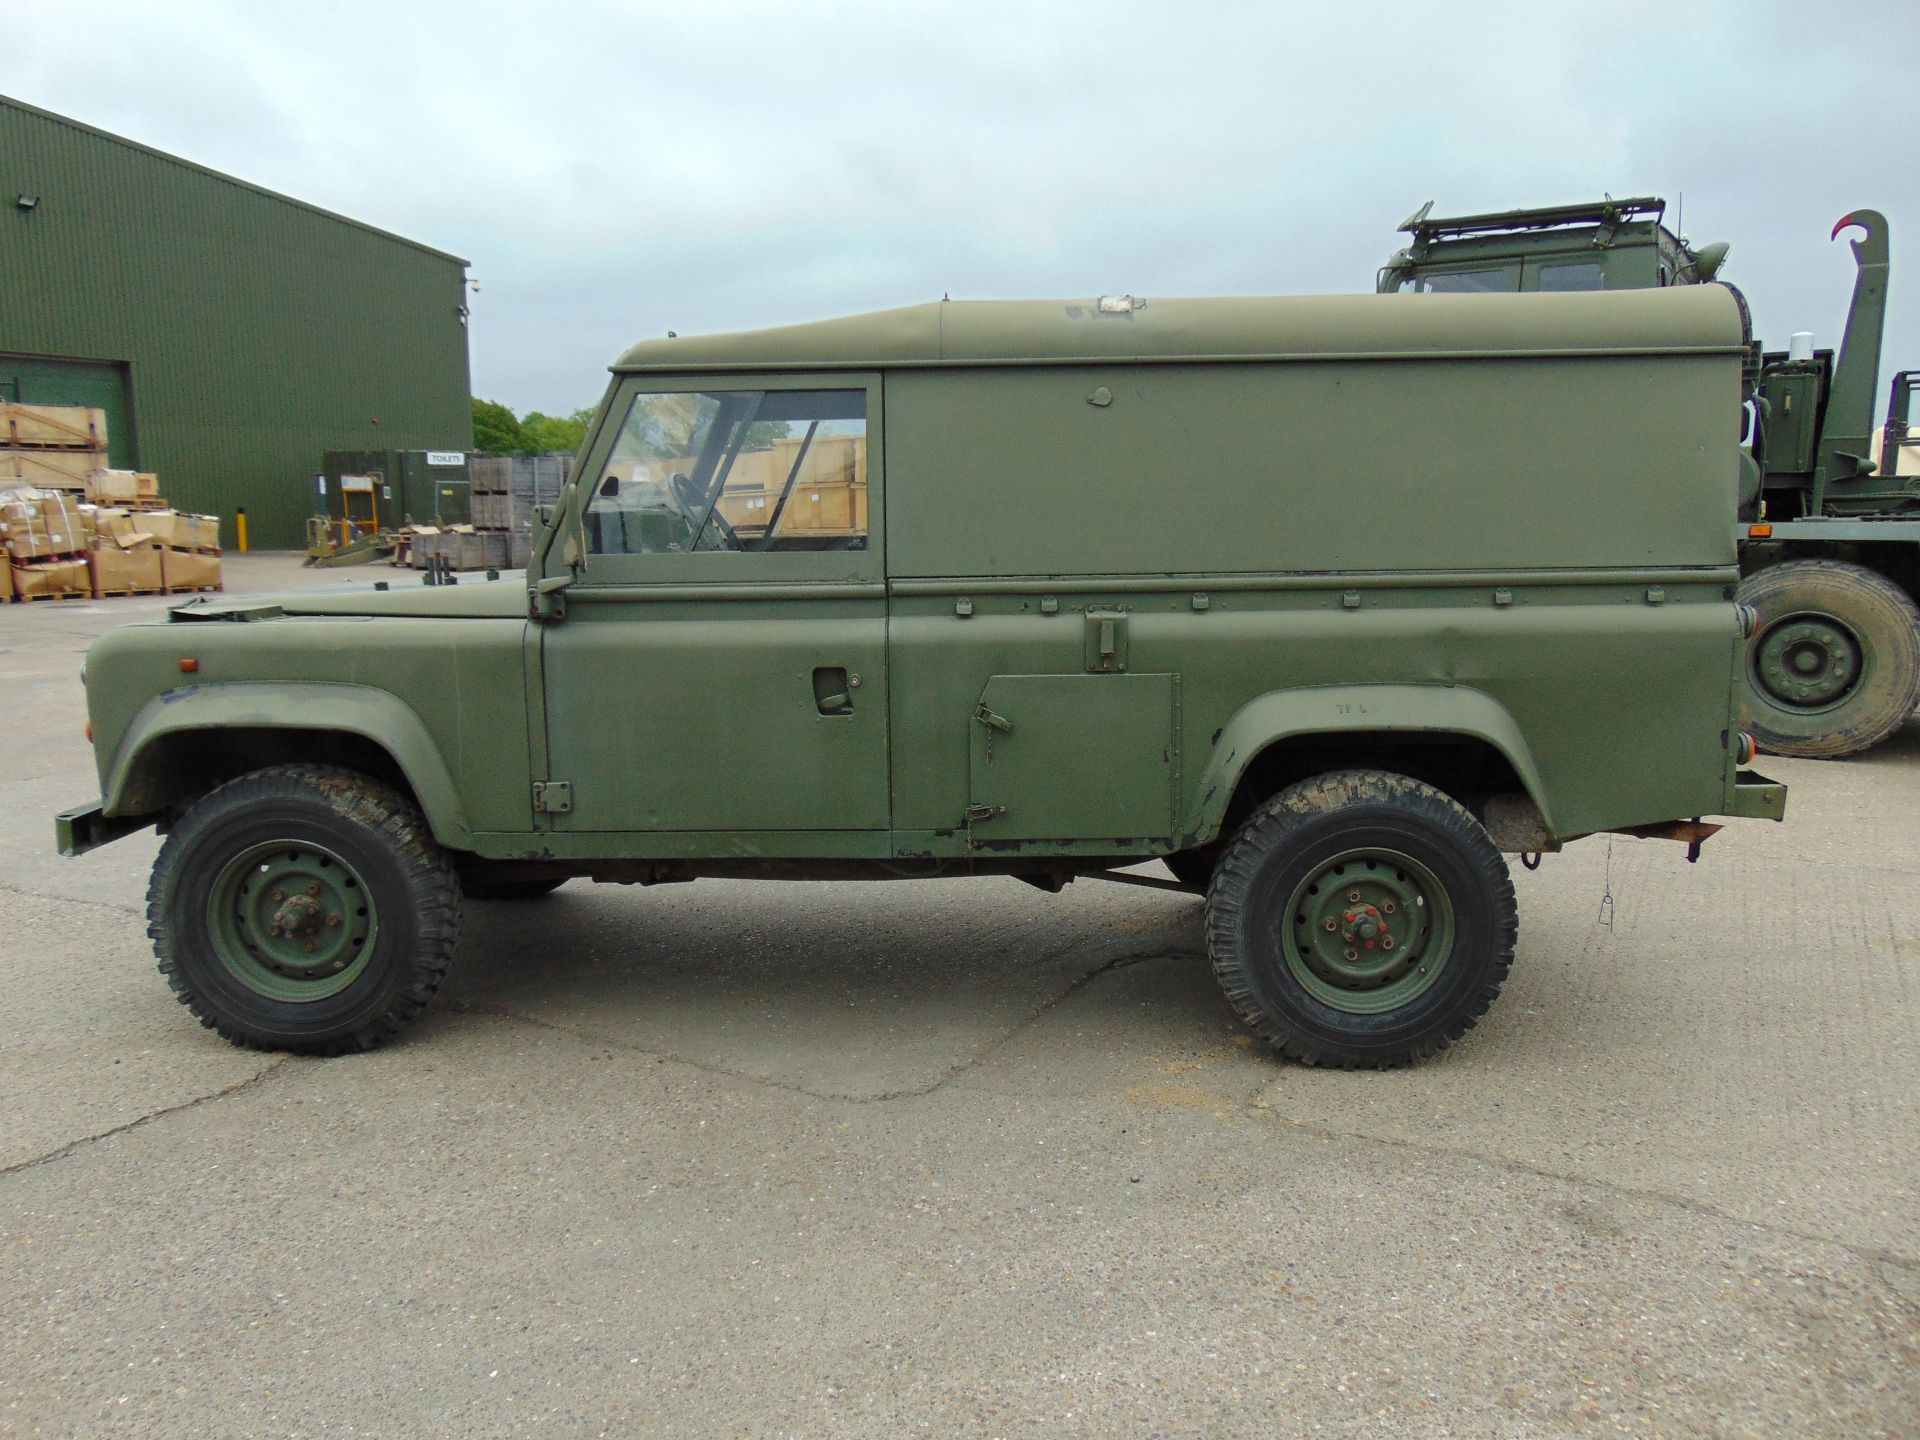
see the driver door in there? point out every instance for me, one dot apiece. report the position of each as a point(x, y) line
point(720, 673)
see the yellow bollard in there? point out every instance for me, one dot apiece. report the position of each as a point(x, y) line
point(240, 531)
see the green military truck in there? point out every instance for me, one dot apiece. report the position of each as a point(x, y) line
point(1829, 515)
point(1042, 590)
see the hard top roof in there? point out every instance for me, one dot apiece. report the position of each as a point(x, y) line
point(1017, 332)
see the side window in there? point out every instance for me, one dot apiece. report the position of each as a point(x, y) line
point(1571, 275)
point(1460, 282)
point(739, 470)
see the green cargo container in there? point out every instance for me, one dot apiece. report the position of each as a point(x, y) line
point(232, 335)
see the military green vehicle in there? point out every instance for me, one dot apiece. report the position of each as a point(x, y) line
point(1043, 590)
point(1829, 521)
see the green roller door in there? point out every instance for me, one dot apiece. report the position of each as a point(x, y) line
point(102, 384)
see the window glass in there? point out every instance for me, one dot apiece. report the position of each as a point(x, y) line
point(1460, 282)
point(742, 470)
point(1571, 275)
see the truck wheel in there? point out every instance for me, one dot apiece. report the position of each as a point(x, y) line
point(1834, 664)
point(1361, 919)
point(304, 908)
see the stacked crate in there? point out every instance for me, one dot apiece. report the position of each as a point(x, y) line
point(51, 447)
point(502, 493)
point(189, 550)
point(46, 545)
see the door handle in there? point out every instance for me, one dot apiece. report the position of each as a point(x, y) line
point(832, 691)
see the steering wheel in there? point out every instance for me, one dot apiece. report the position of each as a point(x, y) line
point(688, 497)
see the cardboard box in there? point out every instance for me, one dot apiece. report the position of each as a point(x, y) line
point(182, 532)
point(41, 523)
point(113, 487)
point(184, 570)
point(146, 484)
point(50, 469)
point(67, 426)
point(118, 566)
point(44, 578)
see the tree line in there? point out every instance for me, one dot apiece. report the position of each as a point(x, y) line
point(497, 431)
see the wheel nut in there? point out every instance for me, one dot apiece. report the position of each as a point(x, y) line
point(1386, 942)
point(311, 947)
point(1388, 906)
point(278, 896)
point(314, 888)
point(1352, 954)
point(1331, 923)
point(1353, 897)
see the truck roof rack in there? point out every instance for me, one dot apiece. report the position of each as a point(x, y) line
point(1598, 212)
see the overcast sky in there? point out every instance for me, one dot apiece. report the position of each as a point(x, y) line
point(616, 170)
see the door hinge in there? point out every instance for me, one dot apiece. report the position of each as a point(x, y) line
point(552, 797)
point(978, 812)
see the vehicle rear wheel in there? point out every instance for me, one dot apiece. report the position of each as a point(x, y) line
point(304, 908)
point(1361, 919)
point(1834, 663)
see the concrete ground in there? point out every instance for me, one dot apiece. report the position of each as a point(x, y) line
point(960, 1158)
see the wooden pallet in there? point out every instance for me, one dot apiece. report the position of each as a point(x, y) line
point(123, 594)
point(62, 595)
point(188, 590)
point(143, 502)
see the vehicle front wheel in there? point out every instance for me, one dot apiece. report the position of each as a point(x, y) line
point(1361, 919)
point(304, 908)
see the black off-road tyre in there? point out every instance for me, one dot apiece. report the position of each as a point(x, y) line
point(370, 904)
point(1406, 860)
point(479, 887)
point(1857, 635)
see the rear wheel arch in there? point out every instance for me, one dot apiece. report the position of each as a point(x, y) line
point(1462, 742)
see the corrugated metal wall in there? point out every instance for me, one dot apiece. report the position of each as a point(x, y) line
point(260, 332)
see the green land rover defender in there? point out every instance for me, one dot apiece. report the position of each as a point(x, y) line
point(1324, 602)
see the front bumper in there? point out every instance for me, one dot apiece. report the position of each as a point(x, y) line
point(1755, 797)
point(88, 827)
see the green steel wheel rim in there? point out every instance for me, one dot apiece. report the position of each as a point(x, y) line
point(1808, 662)
point(1368, 931)
point(292, 921)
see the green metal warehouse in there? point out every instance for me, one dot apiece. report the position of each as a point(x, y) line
point(231, 334)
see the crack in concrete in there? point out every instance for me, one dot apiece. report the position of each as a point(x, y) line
point(910, 1092)
point(239, 1087)
point(137, 913)
point(1869, 1253)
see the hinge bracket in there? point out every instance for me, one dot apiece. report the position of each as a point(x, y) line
point(978, 812)
point(552, 797)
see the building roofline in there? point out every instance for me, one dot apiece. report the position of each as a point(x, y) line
point(15, 103)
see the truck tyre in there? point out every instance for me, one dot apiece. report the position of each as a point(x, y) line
point(304, 908)
point(1834, 663)
point(480, 888)
point(1361, 919)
